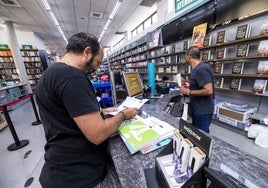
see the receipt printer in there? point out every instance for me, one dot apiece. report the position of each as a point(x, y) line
point(162, 88)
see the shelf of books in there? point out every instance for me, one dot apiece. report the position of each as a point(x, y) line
point(238, 54)
point(240, 60)
point(32, 64)
point(8, 71)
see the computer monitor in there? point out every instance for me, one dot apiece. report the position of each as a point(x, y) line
point(133, 83)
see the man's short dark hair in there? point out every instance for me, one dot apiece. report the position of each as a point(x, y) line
point(78, 42)
point(194, 52)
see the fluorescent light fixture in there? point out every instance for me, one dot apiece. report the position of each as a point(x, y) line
point(107, 25)
point(117, 6)
point(46, 4)
point(101, 35)
point(63, 36)
point(60, 30)
point(52, 16)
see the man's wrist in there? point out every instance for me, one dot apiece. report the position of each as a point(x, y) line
point(188, 92)
point(124, 115)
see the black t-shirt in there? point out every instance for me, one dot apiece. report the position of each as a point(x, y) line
point(201, 75)
point(65, 92)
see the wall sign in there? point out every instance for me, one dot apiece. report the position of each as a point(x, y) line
point(27, 47)
point(3, 46)
point(184, 6)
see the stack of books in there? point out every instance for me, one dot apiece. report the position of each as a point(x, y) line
point(145, 134)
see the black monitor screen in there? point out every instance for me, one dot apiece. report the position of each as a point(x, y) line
point(229, 10)
point(203, 14)
point(171, 32)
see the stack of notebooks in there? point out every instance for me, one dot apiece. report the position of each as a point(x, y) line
point(145, 134)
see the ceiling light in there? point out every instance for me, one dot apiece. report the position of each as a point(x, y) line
point(47, 7)
point(52, 16)
point(63, 36)
point(117, 6)
point(101, 35)
point(107, 25)
point(60, 30)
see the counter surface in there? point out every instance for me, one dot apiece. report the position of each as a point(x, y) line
point(130, 168)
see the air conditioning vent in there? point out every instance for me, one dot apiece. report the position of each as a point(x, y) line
point(98, 15)
point(119, 33)
point(12, 3)
point(148, 3)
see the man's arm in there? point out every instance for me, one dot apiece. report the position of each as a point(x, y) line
point(205, 91)
point(97, 130)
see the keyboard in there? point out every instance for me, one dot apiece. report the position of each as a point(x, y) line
point(177, 109)
point(139, 97)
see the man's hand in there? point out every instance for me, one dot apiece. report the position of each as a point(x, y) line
point(130, 113)
point(184, 90)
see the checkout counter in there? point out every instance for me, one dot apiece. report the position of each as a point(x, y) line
point(129, 169)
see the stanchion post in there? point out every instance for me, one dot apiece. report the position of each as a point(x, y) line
point(38, 121)
point(18, 143)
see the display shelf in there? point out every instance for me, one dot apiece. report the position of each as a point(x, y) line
point(12, 93)
point(238, 41)
point(3, 122)
point(32, 64)
point(241, 75)
point(239, 58)
point(103, 87)
point(170, 59)
point(8, 71)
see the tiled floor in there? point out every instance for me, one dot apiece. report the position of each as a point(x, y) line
point(15, 169)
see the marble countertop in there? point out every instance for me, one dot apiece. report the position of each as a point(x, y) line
point(130, 168)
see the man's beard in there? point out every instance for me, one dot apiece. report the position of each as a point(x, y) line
point(89, 67)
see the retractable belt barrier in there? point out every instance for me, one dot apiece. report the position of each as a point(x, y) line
point(19, 143)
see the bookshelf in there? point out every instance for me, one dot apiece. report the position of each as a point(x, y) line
point(250, 63)
point(170, 59)
point(32, 64)
point(8, 71)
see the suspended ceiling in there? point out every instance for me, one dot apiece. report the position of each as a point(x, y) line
point(75, 16)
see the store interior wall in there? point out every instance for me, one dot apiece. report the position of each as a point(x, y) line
point(24, 37)
point(165, 13)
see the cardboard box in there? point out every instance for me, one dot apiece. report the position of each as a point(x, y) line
point(239, 116)
point(230, 121)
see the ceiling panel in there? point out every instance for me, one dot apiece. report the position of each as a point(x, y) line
point(73, 16)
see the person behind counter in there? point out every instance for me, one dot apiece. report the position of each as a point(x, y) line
point(201, 90)
point(77, 135)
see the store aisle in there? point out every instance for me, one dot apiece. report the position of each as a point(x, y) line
point(239, 141)
point(15, 169)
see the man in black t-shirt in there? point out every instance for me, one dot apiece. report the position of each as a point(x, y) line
point(201, 90)
point(76, 134)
